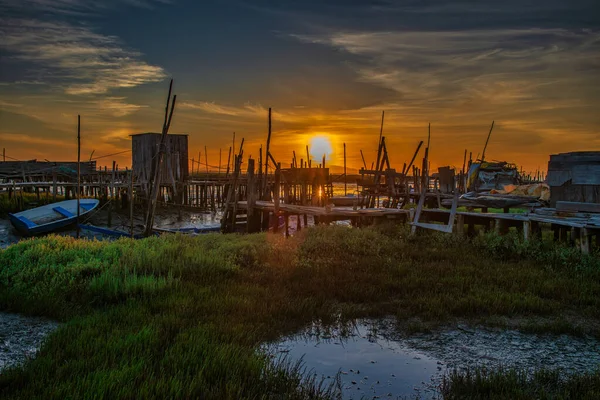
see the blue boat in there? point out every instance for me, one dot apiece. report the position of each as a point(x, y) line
point(50, 217)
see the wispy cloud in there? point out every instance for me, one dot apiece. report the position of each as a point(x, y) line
point(247, 111)
point(467, 64)
point(117, 106)
point(85, 62)
point(74, 7)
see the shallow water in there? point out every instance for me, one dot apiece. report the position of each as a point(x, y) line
point(21, 337)
point(374, 360)
point(165, 219)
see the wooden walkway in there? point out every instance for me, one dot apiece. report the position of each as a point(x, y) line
point(573, 227)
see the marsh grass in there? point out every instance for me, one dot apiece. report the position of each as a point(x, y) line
point(20, 202)
point(182, 317)
point(503, 383)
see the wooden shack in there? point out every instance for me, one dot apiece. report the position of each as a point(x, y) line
point(574, 177)
point(144, 149)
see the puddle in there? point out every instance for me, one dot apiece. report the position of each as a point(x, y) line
point(376, 362)
point(21, 338)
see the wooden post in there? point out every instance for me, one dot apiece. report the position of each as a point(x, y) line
point(526, 230)
point(112, 193)
point(233, 147)
point(486, 143)
point(78, 169)
point(156, 179)
point(54, 188)
point(276, 189)
point(584, 241)
point(308, 158)
point(460, 225)
point(251, 224)
point(4, 154)
point(228, 159)
point(276, 196)
point(345, 176)
point(267, 152)
point(363, 159)
point(287, 224)
point(131, 203)
point(462, 186)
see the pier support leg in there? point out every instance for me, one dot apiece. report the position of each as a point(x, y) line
point(526, 230)
point(584, 241)
point(460, 225)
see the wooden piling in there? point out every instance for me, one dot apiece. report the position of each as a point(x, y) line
point(78, 169)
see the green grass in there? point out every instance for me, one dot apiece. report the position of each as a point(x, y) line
point(18, 202)
point(181, 317)
point(481, 383)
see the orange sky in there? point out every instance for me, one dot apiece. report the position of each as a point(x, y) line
point(326, 69)
point(212, 125)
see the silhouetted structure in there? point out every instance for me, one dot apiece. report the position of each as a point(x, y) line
point(174, 168)
point(574, 177)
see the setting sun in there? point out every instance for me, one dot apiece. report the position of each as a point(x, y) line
point(320, 145)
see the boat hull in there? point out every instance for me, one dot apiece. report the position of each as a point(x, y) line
point(50, 217)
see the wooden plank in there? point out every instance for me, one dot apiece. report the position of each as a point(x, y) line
point(577, 206)
point(435, 227)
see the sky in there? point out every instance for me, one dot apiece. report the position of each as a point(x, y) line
point(328, 68)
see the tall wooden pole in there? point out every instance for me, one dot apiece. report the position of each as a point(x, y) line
point(462, 185)
point(131, 203)
point(78, 169)
point(4, 154)
point(206, 159)
point(363, 159)
point(381, 129)
point(267, 152)
point(345, 176)
point(228, 159)
point(407, 169)
point(219, 162)
point(486, 143)
point(308, 157)
point(156, 179)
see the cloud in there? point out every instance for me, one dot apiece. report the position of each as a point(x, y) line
point(74, 7)
point(20, 138)
point(425, 64)
point(247, 111)
point(84, 62)
point(117, 106)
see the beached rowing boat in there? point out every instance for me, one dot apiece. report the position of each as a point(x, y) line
point(50, 217)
